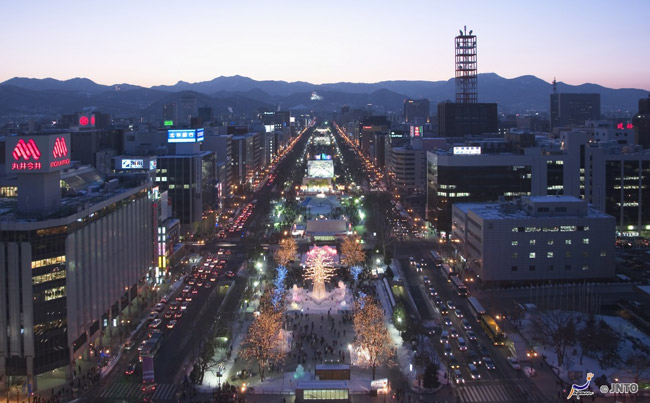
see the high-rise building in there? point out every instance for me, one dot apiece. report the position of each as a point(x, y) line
point(573, 109)
point(458, 120)
point(407, 168)
point(170, 113)
point(641, 123)
point(416, 111)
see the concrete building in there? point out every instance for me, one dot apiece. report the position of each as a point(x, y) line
point(573, 109)
point(416, 111)
point(458, 120)
point(69, 265)
point(407, 169)
point(222, 147)
point(641, 123)
point(464, 175)
point(535, 239)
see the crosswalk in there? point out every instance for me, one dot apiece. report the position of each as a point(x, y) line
point(128, 391)
point(508, 392)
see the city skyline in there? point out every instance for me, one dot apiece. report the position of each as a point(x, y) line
point(322, 44)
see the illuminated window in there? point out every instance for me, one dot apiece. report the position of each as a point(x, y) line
point(515, 243)
point(532, 242)
point(603, 253)
point(48, 261)
point(54, 293)
point(567, 242)
point(549, 242)
point(585, 241)
point(549, 255)
point(43, 278)
point(531, 255)
point(585, 267)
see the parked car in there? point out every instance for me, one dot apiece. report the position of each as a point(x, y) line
point(514, 363)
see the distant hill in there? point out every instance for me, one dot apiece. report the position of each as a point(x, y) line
point(50, 97)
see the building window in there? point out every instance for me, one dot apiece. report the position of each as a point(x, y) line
point(567, 267)
point(585, 241)
point(567, 242)
point(542, 209)
point(560, 209)
point(531, 268)
point(603, 253)
point(549, 242)
point(549, 255)
point(515, 243)
point(513, 268)
point(514, 255)
point(567, 253)
point(532, 242)
point(585, 267)
point(585, 253)
point(550, 268)
point(531, 255)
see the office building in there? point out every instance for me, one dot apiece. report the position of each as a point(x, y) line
point(463, 174)
point(170, 113)
point(416, 111)
point(641, 123)
point(573, 109)
point(407, 169)
point(70, 265)
point(458, 120)
point(221, 145)
point(535, 239)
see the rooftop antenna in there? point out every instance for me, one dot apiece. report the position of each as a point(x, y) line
point(554, 86)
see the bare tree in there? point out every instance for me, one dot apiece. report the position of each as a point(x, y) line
point(287, 251)
point(264, 341)
point(638, 364)
point(373, 344)
point(352, 252)
point(557, 329)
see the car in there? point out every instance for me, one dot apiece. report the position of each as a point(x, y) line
point(426, 280)
point(155, 323)
point(531, 353)
point(152, 315)
point(466, 324)
point(130, 369)
point(184, 306)
point(128, 345)
point(418, 267)
point(483, 350)
point(187, 289)
point(474, 358)
point(159, 308)
point(439, 301)
point(444, 337)
point(164, 299)
point(448, 321)
point(207, 285)
point(171, 324)
point(174, 305)
point(178, 314)
point(459, 313)
point(195, 290)
point(447, 350)
point(458, 376)
point(489, 364)
point(179, 297)
point(141, 345)
point(169, 314)
point(473, 372)
point(230, 274)
point(411, 260)
point(514, 363)
point(213, 278)
point(153, 331)
point(188, 298)
point(453, 333)
point(453, 362)
point(462, 345)
point(444, 310)
point(471, 335)
point(433, 292)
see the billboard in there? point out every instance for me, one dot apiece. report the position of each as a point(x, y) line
point(87, 120)
point(185, 135)
point(37, 154)
point(323, 156)
point(467, 150)
point(132, 164)
point(320, 169)
point(417, 131)
point(140, 163)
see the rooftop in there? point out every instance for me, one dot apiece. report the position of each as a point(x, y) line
point(513, 210)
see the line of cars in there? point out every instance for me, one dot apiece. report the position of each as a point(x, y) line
point(239, 222)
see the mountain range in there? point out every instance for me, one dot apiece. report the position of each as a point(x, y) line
point(237, 95)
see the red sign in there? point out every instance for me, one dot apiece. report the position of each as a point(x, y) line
point(60, 149)
point(84, 120)
point(622, 126)
point(367, 127)
point(26, 150)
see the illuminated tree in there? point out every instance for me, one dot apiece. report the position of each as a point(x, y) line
point(320, 268)
point(264, 341)
point(374, 345)
point(286, 252)
point(351, 251)
point(279, 288)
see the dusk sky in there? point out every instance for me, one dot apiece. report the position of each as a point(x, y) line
point(161, 42)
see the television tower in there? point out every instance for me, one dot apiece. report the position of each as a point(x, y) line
point(466, 75)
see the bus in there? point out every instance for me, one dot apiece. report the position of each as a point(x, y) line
point(476, 308)
point(493, 330)
point(447, 272)
point(460, 287)
point(437, 259)
point(152, 346)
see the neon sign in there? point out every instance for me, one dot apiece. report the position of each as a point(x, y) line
point(26, 150)
point(622, 126)
point(26, 154)
point(60, 149)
